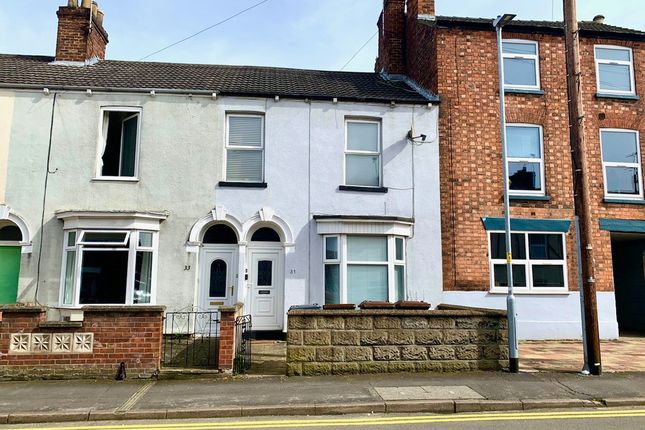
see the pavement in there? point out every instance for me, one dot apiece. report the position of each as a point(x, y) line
point(626, 354)
point(223, 397)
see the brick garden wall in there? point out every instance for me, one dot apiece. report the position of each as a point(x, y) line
point(31, 347)
point(321, 342)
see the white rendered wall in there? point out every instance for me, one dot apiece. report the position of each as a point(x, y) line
point(181, 163)
point(548, 316)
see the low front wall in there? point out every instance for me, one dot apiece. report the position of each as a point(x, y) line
point(321, 342)
point(31, 347)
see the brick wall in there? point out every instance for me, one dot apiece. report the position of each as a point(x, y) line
point(323, 342)
point(106, 337)
point(470, 149)
point(75, 41)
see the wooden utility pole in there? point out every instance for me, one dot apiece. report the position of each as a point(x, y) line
point(582, 199)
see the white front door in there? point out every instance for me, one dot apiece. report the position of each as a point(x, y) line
point(218, 278)
point(266, 283)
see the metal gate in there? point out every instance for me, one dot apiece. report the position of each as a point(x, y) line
point(191, 339)
point(242, 360)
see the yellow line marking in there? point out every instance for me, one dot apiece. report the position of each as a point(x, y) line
point(373, 421)
point(135, 397)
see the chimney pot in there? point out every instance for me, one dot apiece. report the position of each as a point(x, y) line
point(600, 19)
point(72, 3)
point(86, 4)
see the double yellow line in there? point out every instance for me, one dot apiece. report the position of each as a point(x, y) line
point(372, 421)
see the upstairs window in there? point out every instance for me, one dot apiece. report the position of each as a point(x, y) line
point(363, 153)
point(245, 148)
point(614, 69)
point(119, 143)
point(525, 159)
point(521, 64)
point(621, 162)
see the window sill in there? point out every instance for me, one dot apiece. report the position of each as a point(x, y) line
point(230, 184)
point(532, 293)
point(624, 201)
point(631, 97)
point(536, 91)
point(532, 198)
point(361, 189)
point(114, 179)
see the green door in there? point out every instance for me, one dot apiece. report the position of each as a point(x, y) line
point(9, 270)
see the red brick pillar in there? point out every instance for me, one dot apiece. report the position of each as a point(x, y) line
point(227, 337)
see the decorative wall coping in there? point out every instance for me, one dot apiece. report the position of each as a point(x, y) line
point(460, 312)
point(123, 308)
point(18, 308)
point(60, 324)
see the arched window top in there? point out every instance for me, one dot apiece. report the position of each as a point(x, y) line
point(10, 232)
point(265, 234)
point(220, 233)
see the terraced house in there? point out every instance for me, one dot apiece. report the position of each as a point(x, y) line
point(202, 186)
point(456, 58)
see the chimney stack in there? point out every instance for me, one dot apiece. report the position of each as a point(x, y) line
point(81, 36)
point(398, 23)
point(600, 19)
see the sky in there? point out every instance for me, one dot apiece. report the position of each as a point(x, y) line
point(311, 34)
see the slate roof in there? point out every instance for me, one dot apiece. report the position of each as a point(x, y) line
point(36, 71)
point(587, 28)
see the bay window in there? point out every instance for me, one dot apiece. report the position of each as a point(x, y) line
point(363, 267)
point(539, 262)
point(108, 267)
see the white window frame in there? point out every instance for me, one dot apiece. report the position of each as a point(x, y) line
point(509, 159)
point(80, 240)
point(378, 153)
point(535, 57)
point(391, 262)
point(528, 263)
point(131, 249)
point(103, 129)
point(637, 165)
point(629, 63)
point(244, 148)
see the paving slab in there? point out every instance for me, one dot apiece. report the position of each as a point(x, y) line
point(51, 396)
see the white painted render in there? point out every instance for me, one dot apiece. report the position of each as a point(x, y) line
point(181, 162)
point(546, 316)
point(6, 116)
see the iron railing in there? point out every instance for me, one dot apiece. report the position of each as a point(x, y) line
point(242, 360)
point(191, 339)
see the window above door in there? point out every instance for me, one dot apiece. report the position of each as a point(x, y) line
point(245, 148)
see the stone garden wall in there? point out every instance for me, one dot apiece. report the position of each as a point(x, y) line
point(322, 342)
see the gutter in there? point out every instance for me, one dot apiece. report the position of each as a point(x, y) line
point(441, 22)
point(205, 93)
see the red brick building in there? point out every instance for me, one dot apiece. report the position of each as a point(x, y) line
point(456, 58)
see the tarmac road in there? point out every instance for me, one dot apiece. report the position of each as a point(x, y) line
point(583, 419)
